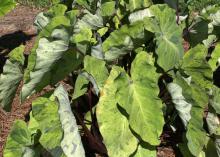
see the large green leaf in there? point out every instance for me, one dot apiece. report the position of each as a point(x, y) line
point(138, 95)
point(161, 20)
point(46, 32)
point(71, 142)
point(113, 125)
point(215, 58)
point(54, 61)
point(6, 6)
point(19, 142)
point(168, 37)
point(196, 66)
point(11, 77)
point(158, 19)
point(196, 96)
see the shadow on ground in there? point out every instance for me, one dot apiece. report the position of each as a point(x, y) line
point(10, 41)
point(13, 40)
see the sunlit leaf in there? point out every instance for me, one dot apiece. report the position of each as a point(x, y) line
point(138, 95)
point(114, 126)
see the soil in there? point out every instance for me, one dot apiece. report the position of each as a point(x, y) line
point(17, 28)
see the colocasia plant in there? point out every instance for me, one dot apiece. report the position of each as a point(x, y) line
point(137, 70)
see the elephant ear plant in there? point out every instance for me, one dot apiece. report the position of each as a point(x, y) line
point(130, 78)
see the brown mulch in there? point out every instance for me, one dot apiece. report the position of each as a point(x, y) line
point(165, 152)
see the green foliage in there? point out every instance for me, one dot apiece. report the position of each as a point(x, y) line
point(197, 5)
point(113, 125)
point(19, 141)
point(6, 6)
point(128, 58)
point(60, 139)
point(141, 102)
point(215, 58)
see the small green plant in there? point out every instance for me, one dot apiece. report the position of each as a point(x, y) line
point(126, 58)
